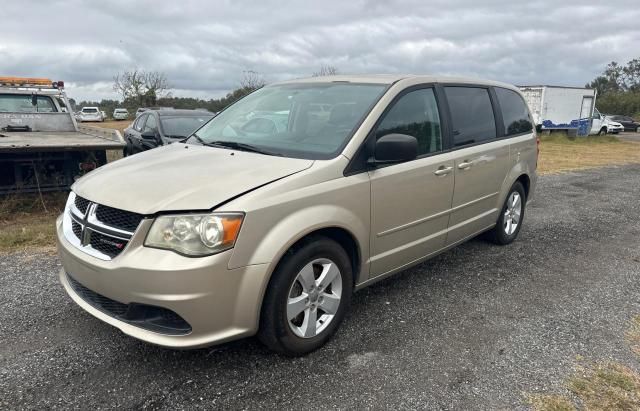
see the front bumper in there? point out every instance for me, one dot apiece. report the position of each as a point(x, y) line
point(615, 129)
point(82, 118)
point(218, 304)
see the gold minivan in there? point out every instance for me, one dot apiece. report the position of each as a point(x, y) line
point(268, 217)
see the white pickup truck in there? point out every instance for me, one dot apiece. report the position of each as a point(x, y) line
point(42, 148)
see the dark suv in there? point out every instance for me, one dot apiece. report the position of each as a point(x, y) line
point(154, 128)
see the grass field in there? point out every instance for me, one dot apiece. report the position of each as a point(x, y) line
point(558, 153)
point(25, 223)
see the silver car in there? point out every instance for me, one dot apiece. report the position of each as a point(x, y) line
point(120, 114)
point(90, 114)
point(272, 214)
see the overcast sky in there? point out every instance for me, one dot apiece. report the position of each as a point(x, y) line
point(204, 46)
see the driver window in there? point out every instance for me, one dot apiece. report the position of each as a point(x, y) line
point(151, 124)
point(415, 114)
point(139, 122)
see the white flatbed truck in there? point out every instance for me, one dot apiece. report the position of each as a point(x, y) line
point(42, 148)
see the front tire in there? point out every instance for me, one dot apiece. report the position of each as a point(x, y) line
point(602, 132)
point(307, 298)
point(511, 216)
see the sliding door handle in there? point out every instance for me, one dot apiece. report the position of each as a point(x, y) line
point(443, 171)
point(465, 165)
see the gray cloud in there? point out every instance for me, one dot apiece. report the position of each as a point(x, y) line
point(203, 47)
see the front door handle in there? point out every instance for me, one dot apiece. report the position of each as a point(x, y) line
point(465, 165)
point(443, 171)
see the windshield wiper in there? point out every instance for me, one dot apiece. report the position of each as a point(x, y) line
point(238, 146)
point(201, 141)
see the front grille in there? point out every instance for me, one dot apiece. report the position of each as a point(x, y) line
point(97, 229)
point(107, 245)
point(124, 220)
point(82, 204)
point(77, 229)
point(148, 317)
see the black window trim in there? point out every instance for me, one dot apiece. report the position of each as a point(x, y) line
point(358, 163)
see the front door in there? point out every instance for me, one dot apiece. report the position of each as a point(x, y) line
point(596, 122)
point(410, 202)
point(585, 116)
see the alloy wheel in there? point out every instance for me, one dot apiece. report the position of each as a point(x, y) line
point(512, 213)
point(314, 298)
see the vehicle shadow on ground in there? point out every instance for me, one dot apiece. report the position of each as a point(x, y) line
point(383, 300)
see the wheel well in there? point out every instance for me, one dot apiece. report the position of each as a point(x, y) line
point(341, 236)
point(526, 183)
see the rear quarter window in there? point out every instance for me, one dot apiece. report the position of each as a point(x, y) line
point(515, 113)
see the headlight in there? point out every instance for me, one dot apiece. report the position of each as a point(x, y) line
point(195, 234)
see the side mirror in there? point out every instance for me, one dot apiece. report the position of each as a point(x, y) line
point(394, 148)
point(151, 136)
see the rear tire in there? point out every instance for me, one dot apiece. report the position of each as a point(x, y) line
point(293, 320)
point(511, 216)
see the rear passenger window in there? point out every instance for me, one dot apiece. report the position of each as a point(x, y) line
point(471, 114)
point(415, 114)
point(514, 112)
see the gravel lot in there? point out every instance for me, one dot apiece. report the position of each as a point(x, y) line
point(475, 328)
point(629, 136)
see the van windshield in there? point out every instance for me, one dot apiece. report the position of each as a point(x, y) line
point(303, 120)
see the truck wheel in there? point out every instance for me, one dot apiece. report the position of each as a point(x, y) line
point(307, 298)
point(602, 131)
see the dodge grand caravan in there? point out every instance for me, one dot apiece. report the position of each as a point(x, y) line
point(266, 219)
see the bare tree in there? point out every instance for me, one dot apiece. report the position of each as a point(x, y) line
point(129, 84)
point(251, 81)
point(326, 70)
point(156, 84)
point(141, 86)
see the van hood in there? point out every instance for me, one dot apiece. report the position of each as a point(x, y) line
point(182, 177)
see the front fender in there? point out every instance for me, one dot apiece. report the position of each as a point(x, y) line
point(270, 244)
